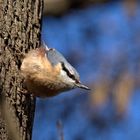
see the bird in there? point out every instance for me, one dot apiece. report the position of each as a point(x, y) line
point(47, 73)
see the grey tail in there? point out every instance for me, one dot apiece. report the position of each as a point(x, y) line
point(44, 45)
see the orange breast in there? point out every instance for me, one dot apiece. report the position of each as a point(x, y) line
point(41, 78)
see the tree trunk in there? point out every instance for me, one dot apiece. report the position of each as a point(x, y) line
point(19, 32)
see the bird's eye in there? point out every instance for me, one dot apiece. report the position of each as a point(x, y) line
point(67, 72)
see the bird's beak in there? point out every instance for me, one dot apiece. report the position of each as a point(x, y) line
point(79, 85)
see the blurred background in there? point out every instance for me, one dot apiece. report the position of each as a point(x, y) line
point(101, 38)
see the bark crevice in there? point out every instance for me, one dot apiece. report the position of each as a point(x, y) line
point(19, 32)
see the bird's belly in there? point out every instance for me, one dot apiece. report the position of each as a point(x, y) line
point(43, 89)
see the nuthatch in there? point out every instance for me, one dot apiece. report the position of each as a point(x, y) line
point(47, 73)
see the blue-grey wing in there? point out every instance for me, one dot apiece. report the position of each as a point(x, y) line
point(55, 57)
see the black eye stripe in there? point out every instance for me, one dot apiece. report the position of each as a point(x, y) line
point(66, 70)
point(68, 73)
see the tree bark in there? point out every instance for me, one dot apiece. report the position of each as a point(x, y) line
point(19, 32)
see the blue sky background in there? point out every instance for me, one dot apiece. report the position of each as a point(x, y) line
point(102, 42)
